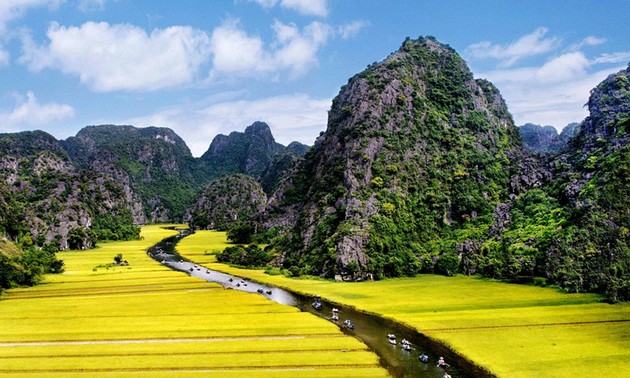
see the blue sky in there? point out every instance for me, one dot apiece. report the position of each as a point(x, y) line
point(206, 67)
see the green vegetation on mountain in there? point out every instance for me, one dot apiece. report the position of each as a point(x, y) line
point(154, 164)
point(44, 198)
point(545, 139)
point(421, 169)
point(254, 153)
point(396, 182)
point(228, 201)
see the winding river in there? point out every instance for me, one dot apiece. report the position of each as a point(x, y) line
point(370, 329)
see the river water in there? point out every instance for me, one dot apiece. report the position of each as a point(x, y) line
point(370, 329)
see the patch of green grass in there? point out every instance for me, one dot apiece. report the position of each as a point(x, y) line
point(512, 330)
point(147, 320)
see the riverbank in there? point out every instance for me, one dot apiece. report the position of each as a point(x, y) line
point(511, 330)
point(100, 319)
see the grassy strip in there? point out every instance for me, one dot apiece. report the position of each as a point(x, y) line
point(512, 330)
point(145, 319)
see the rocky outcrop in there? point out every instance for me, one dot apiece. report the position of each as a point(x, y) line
point(414, 144)
point(155, 167)
point(49, 196)
point(545, 139)
point(253, 152)
point(226, 201)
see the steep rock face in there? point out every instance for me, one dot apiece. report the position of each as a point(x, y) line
point(254, 153)
point(592, 252)
point(546, 139)
point(49, 197)
point(249, 152)
point(158, 173)
point(226, 201)
point(540, 138)
point(414, 147)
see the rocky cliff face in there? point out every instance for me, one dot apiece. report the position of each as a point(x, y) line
point(592, 252)
point(545, 139)
point(155, 167)
point(227, 201)
point(249, 152)
point(422, 170)
point(49, 197)
point(254, 153)
point(414, 146)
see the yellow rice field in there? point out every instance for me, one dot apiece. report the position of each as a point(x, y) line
point(145, 320)
point(511, 330)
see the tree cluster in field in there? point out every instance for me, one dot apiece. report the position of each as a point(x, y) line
point(250, 256)
point(24, 264)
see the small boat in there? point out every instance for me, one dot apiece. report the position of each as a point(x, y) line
point(268, 291)
point(191, 269)
point(391, 338)
point(260, 290)
point(317, 305)
point(348, 324)
point(424, 358)
point(441, 363)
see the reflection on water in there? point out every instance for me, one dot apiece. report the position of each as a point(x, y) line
point(370, 329)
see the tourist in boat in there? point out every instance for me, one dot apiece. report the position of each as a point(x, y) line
point(391, 338)
point(441, 363)
point(406, 345)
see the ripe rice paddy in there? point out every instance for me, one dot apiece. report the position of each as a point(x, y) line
point(511, 330)
point(147, 320)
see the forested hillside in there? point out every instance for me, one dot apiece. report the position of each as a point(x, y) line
point(421, 169)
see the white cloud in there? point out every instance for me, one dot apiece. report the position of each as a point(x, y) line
point(555, 91)
point(91, 5)
point(352, 29)
point(305, 7)
point(29, 112)
point(291, 118)
point(552, 94)
point(12, 9)
point(526, 46)
point(588, 41)
point(4, 57)
point(617, 57)
point(565, 67)
point(235, 53)
point(121, 57)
